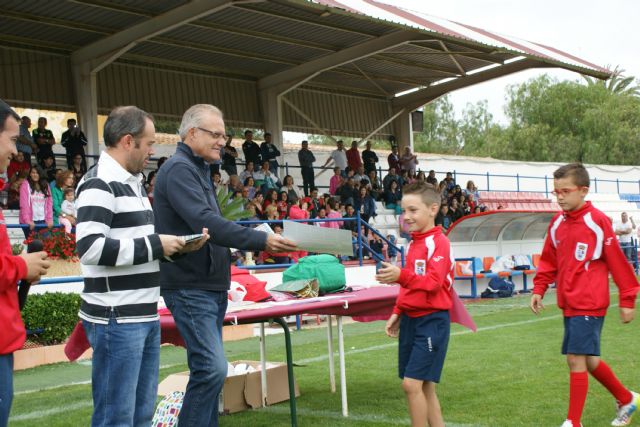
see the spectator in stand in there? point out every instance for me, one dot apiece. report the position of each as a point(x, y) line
point(306, 159)
point(216, 180)
point(25, 142)
point(68, 210)
point(78, 168)
point(74, 141)
point(443, 219)
point(477, 210)
point(408, 161)
point(299, 209)
point(292, 190)
point(377, 247)
point(369, 159)
point(63, 181)
point(269, 153)
point(18, 164)
point(471, 189)
point(44, 139)
point(394, 160)
point(315, 203)
point(339, 157)
point(257, 202)
point(364, 203)
point(421, 176)
point(229, 156)
point(624, 233)
point(150, 184)
point(456, 211)
point(335, 181)
point(15, 182)
point(350, 213)
point(359, 175)
point(48, 169)
point(271, 213)
point(36, 207)
point(283, 205)
point(271, 198)
point(450, 182)
point(331, 212)
point(347, 191)
point(250, 149)
point(250, 186)
point(353, 157)
point(392, 198)
point(374, 186)
point(248, 172)
point(392, 252)
point(265, 179)
point(234, 184)
point(431, 178)
point(391, 176)
point(405, 178)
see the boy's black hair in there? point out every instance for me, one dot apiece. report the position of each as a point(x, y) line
point(576, 171)
point(427, 192)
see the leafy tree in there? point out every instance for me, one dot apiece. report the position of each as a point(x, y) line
point(617, 83)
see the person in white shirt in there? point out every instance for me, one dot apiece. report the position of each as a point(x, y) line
point(624, 231)
point(68, 210)
point(339, 157)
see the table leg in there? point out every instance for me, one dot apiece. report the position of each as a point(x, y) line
point(263, 364)
point(343, 374)
point(292, 389)
point(332, 370)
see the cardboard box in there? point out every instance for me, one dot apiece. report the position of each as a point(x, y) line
point(241, 392)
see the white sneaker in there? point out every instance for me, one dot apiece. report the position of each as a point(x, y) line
point(625, 412)
point(568, 423)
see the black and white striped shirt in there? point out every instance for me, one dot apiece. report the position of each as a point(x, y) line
point(117, 245)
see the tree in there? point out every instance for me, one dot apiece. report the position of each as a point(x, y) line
point(617, 83)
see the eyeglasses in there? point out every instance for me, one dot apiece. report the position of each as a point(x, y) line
point(215, 135)
point(565, 191)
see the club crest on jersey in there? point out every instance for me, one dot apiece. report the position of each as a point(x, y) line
point(581, 251)
point(420, 267)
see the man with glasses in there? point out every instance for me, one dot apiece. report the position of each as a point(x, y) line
point(195, 286)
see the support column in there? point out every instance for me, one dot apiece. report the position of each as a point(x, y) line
point(403, 131)
point(86, 95)
point(271, 106)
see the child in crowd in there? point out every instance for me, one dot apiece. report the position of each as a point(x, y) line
point(68, 210)
point(421, 314)
point(578, 254)
point(335, 181)
point(392, 252)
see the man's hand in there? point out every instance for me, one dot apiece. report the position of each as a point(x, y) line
point(32, 225)
point(393, 326)
point(276, 243)
point(50, 225)
point(388, 273)
point(627, 314)
point(536, 303)
point(37, 265)
point(196, 244)
point(171, 244)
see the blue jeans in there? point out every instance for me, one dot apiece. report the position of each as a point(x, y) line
point(199, 315)
point(124, 372)
point(6, 387)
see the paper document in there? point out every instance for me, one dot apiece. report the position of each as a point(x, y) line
point(319, 239)
point(265, 227)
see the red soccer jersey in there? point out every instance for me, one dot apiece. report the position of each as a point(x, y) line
point(426, 281)
point(579, 252)
point(12, 269)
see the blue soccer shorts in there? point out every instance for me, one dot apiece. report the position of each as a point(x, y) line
point(423, 346)
point(582, 335)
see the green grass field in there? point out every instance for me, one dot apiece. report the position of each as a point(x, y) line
point(509, 373)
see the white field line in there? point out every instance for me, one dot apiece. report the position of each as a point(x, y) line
point(53, 411)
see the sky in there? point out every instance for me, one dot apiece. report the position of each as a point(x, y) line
point(604, 33)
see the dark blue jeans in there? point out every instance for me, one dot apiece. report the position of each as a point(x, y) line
point(199, 315)
point(6, 387)
point(124, 372)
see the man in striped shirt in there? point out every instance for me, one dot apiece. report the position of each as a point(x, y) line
point(119, 254)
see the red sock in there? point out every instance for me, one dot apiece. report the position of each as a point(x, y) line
point(578, 386)
point(607, 378)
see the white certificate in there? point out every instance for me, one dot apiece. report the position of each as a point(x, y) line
point(319, 239)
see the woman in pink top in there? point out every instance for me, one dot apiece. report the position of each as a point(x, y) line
point(335, 181)
point(333, 214)
point(36, 205)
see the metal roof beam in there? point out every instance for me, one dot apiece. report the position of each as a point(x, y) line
point(104, 51)
point(312, 68)
point(414, 100)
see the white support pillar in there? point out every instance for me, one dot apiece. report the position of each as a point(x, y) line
point(403, 131)
point(86, 95)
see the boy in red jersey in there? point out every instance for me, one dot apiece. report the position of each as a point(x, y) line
point(579, 252)
point(421, 314)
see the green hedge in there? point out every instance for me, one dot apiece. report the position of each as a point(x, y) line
point(55, 313)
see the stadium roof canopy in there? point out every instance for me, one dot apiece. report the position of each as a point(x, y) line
point(323, 66)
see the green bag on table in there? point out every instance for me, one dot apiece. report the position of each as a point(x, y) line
point(326, 268)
